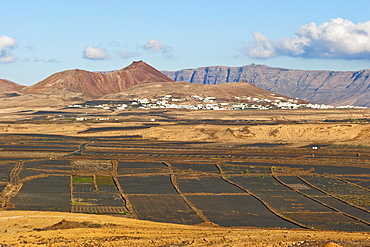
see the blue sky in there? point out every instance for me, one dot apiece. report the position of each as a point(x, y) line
point(42, 37)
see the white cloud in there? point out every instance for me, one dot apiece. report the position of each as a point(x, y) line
point(6, 45)
point(155, 45)
point(338, 38)
point(95, 53)
point(41, 60)
point(128, 54)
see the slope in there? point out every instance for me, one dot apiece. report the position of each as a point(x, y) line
point(96, 84)
point(8, 86)
point(184, 89)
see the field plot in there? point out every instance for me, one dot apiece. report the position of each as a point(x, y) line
point(361, 181)
point(97, 199)
point(140, 167)
point(341, 170)
point(44, 194)
point(259, 183)
point(342, 190)
point(297, 184)
point(328, 221)
point(96, 195)
point(164, 208)
point(214, 185)
point(92, 166)
point(27, 147)
point(296, 206)
point(5, 170)
point(33, 168)
point(194, 167)
point(245, 169)
point(157, 184)
point(261, 167)
point(237, 210)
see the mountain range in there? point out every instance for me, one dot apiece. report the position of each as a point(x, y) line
point(324, 87)
point(316, 86)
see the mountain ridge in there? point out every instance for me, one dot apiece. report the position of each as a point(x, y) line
point(317, 86)
point(9, 86)
point(97, 84)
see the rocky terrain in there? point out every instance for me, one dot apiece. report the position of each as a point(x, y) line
point(317, 86)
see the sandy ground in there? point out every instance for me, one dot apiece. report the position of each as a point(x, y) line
point(19, 228)
point(324, 133)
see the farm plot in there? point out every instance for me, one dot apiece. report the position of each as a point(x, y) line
point(259, 183)
point(157, 184)
point(297, 206)
point(244, 169)
point(191, 167)
point(5, 170)
point(97, 199)
point(106, 184)
point(342, 190)
point(261, 165)
point(341, 170)
point(214, 185)
point(297, 184)
point(63, 165)
point(92, 165)
point(27, 147)
point(237, 210)
point(164, 208)
point(140, 167)
point(30, 168)
point(44, 194)
point(361, 181)
point(328, 221)
point(87, 199)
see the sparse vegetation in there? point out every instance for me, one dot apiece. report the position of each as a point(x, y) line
point(104, 180)
point(348, 146)
point(78, 179)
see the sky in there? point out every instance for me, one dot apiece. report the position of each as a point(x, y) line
point(41, 37)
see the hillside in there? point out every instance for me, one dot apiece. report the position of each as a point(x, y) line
point(317, 86)
point(8, 86)
point(185, 89)
point(96, 84)
point(66, 229)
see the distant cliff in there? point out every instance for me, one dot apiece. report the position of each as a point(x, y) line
point(316, 86)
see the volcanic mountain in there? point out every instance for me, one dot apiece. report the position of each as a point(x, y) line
point(317, 86)
point(8, 86)
point(97, 84)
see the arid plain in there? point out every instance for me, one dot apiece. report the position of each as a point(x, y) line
point(233, 140)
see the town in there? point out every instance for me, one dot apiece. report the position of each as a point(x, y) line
point(194, 102)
